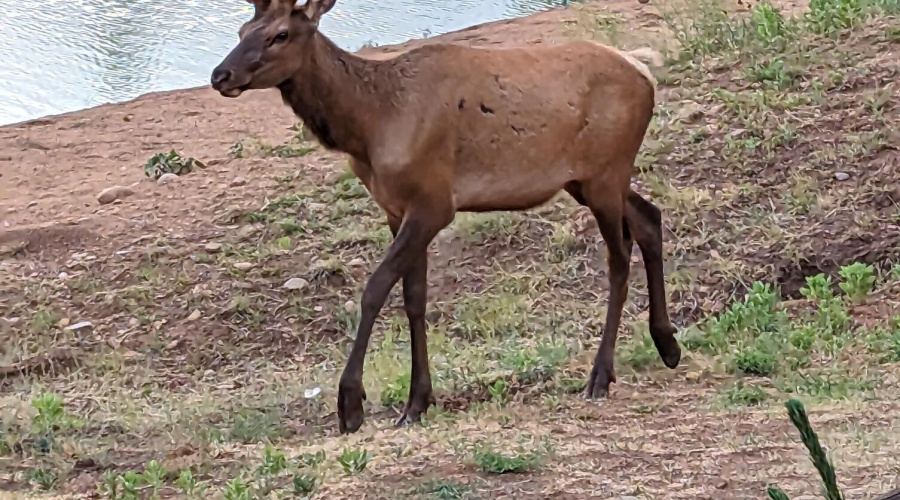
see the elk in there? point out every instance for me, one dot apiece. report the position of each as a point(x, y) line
point(442, 129)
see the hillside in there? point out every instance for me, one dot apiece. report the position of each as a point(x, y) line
point(774, 154)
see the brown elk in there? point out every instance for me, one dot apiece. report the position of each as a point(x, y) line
point(443, 129)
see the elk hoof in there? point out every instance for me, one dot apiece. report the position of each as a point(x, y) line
point(350, 407)
point(415, 408)
point(598, 382)
point(666, 345)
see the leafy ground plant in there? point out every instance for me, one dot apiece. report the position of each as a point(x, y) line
point(170, 163)
point(354, 461)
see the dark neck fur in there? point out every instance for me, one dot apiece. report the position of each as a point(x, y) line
point(334, 97)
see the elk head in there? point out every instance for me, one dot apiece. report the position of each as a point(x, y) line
point(271, 45)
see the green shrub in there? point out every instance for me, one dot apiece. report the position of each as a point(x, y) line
point(758, 358)
point(858, 281)
point(742, 394)
point(769, 24)
point(492, 461)
point(170, 163)
point(829, 16)
point(354, 461)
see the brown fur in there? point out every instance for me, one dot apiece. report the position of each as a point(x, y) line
point(442, 129)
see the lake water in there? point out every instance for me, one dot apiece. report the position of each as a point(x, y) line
point(58, 56)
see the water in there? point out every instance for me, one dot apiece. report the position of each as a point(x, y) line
point(58, 56)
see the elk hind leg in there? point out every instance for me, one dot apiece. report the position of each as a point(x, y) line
point(607, 203)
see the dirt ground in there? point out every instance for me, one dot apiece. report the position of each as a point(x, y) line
point(773, 161)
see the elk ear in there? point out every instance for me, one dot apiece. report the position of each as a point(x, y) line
point(314, 9)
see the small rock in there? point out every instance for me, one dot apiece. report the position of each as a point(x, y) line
point(134, 322)
point(295, 284)
point(238, 181)
point(82, 325)
point(213, 247)
point(195, 315)
point(167, 178)
point(63, 275)
point(349, 306)
point(114, 193)
point(356, 262)
point(243, 266)
point(63, 323)
point(841, 176)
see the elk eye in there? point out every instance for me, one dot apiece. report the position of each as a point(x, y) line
point(280, 37)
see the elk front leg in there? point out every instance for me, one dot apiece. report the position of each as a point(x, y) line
point(415, 297)
point(419, 227)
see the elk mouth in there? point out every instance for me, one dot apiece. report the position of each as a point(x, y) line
point(233, 92)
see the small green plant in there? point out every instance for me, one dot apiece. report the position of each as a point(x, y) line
point(818, 288)
point(769, 71)
point(803, 337)
point(237, 489)
point(858, 280)
point(312, 459)
point(395, 391)
point(443, 490)
point(170, 163)
point(288, 150)
point(769, 23)
point(491, 461)
point(252, 425)
point(110, 486)
point(131, 480)
point(50, 413)
point(154, 475)
point(273, 463)
point(829, 16)
point(189, 484)
point(759, 358)
point(759, 313)
point(303, 484)
point(354, 461)
point(499, 391)
point(775, 493)
point(831, 322)
point(703, 28)
point(44, 477)
point(237, 150)
point(640, 352)
point(817, 454)
point(742, 394)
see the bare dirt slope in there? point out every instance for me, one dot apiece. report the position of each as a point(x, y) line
point(774, 156)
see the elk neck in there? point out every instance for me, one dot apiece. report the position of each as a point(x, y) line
point(336, 96)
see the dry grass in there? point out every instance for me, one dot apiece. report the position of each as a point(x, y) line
point(198, 357)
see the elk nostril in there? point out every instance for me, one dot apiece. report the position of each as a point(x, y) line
point(220, 76)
